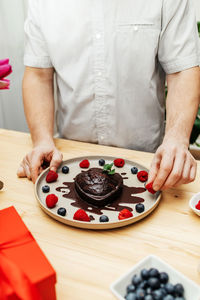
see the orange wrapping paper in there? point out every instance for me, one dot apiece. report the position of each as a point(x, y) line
point(21, 253)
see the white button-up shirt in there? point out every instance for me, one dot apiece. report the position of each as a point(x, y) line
point(111, 58)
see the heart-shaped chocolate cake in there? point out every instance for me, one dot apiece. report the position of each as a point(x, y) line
point(98, 187)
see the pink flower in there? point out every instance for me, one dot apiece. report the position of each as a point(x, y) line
point(5, 70)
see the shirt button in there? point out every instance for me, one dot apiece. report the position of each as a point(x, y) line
point(99, 73)
point(98, 36)
point(101, 137)
point(136, 28)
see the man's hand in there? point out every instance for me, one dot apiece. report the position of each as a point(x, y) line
point(172, 165)
point(32, 164)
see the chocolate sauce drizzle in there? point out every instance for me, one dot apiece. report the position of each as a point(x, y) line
point(68, 191)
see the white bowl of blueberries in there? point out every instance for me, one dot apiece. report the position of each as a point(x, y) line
point(153, 279)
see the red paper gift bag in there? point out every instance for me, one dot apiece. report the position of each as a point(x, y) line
point(25, 272)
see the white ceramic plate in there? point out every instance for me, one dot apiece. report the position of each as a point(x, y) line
point(192, 290)
point(193, 202)
point(150, 201)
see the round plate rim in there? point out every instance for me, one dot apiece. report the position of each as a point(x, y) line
point(88, 225)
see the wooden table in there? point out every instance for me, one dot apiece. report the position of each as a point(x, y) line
point(87, 262)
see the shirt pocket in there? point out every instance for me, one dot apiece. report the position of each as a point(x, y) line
point(135, 26)
point(137, 35)
point(136, 47)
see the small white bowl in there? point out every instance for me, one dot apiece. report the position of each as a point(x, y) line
point(192, 290)
point(193, 202)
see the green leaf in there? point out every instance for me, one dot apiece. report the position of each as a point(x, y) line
point(111, 172)
point(198, 111)
point(198, 26)
point(108, 167)
point(197, 144)
point(197, 123)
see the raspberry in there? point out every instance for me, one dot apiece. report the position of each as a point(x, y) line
point(149, 188)
point(51, 200)
point(84, 163)
point(119, 162)
point(198, 205)
point(142, 176)
point(81, 215)
point(51, 176)
point(124, 214)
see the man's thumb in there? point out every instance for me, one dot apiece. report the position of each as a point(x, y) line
point(56, 161)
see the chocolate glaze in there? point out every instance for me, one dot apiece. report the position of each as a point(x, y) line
point(123, 173)
point(91, 218)
point(125, 198)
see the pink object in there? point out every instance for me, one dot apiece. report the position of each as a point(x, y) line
point(5, 70)
point(4, 61)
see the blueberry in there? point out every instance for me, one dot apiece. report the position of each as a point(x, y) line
point(169, 288)
point(140, 294)
point(157, 295)
point(179, 290)
point(101, 162)
point(104, 218)
point(143, 285)
point(163, 291)
point(131, 296)
point(153, 273)
point(154, 283)
point(139, 207)
point(61, 211)
point(148, 297)
point(130, 288)
point(144, 274)
point(164, 277)
point(136, 280)
point(45, 189)
point(149, 291)
point(65, 169)
point(134, 170)
point(168, 297)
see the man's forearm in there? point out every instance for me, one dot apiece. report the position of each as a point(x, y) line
point(39, 103)
point(39, 109)
point(182, 104)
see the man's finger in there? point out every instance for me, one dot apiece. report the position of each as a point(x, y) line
point(165, 169)
point(35, 172)
point(193, 172)
point(185, 178)
point(56, 161)
point(154, 168)
point(36, 164)
point(176, 172)
point(28, 172)
point(21, 172)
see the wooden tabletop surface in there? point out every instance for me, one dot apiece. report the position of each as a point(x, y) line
point(87, 262)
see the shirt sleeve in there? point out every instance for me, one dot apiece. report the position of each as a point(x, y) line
point(179, 46)
point(36, 51)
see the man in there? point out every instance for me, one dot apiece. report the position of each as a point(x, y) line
point(111, 59)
